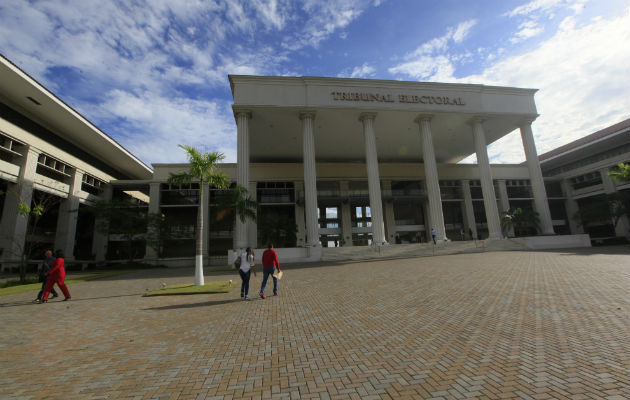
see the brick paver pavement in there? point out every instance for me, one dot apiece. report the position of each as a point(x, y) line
point(531, 325)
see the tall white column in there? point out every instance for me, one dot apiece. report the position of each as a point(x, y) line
point(436, 214)
point(346, 216)
point(299, 215)
point(374, 182)
point(390, 219)
point(242, 170)
point(13, 226)
point(100, 239)
point(487, 187)
point(310, 179)
point(535, 175)
point(469, 210)
point(505, 202)
point(68, 217)
point(571, 207)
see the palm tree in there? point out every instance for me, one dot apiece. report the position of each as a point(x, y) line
point(235, 202)
point(621, 172)
point(203, 168)
point(520, 219)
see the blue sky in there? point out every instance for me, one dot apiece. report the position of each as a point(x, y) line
point(153, 74)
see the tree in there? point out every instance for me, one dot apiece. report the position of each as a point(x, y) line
point(41, 203)
point(522, 220)
point(621, 173)
point(125, 217)
point(278, 229)
point(238, 201)
point(203, 168)
point(611, 207)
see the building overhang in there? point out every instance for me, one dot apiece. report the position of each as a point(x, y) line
point(27, 96)
point(275, 128)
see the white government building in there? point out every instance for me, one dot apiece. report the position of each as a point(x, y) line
point(334, 164)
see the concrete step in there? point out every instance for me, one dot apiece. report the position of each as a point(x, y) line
point(400, 250)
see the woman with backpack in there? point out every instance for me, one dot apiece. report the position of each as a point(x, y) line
point(245, 265)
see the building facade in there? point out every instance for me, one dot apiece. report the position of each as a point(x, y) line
point(331, 162)
point(50, 154)
point(578, 171)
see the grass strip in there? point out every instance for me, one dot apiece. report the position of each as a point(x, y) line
point(208, 288)
point(37, 286)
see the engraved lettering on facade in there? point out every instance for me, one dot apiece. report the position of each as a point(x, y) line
point(402, 98)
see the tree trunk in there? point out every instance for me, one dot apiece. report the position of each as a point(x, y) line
point(23, 268)
point(199, 281)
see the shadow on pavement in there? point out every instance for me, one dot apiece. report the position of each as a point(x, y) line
point(194, 305)
point(74, 300)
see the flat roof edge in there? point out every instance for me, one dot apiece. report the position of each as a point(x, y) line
point(71, 111)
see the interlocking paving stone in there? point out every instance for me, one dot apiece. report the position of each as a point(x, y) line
point(526, 325)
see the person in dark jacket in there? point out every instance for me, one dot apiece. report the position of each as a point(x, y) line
point(57, 275)
point(44, 275)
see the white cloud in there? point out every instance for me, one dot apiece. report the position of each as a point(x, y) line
point(430, 61)
point(583, 80)
point(527, 29)
point(324, 17)
point(435, 68)
point(362, 71)
point(535, 6)
point(272, 15)
point(155, 126)
point(462, 30)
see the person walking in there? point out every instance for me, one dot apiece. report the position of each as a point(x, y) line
point(433, 235)
point(270, 263)
point(245, 271)
point(44, 275)
point(57, 274)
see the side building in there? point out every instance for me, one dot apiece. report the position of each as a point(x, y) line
point(578, 175)
point(50, 153)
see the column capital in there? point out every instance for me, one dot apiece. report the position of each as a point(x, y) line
point(367, 115)
point(477, 119)
point(527, 120)
point(240, 111)
point(307, 114)
point(423, 117)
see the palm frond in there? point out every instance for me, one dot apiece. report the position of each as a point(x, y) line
point(179, 178)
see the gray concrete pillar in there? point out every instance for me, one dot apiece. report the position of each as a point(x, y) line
point(535, 175)
point(13, 226)
point(469, 210)
point(374, 182)
point(100, 239)
point(436, 214)
point(242, 170)
point(487, 186)
point(68, 217)
point(310, 179)
point(346, 214)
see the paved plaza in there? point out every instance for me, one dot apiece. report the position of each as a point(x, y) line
point(530, 325)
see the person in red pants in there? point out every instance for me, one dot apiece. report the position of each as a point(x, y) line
point(57, 274)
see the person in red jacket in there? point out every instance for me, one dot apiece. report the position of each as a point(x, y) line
point(57, 274)
point(269, 262)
